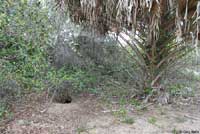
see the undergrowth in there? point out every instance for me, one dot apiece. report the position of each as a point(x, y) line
point(26, 32)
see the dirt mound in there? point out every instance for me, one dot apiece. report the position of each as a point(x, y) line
point(87, 116)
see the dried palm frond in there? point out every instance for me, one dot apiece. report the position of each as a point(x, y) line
point(160, 29)
point(130, 13)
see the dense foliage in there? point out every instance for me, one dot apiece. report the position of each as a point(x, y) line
point(25, 29)
point(27, 32)
point(31, 36)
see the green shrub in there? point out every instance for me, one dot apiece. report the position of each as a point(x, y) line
point(128, 120)
point(3, 111)
point(25, 35)
point(24, 38)
point(152, 120)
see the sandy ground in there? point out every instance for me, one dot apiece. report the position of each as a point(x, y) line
point(88, 115)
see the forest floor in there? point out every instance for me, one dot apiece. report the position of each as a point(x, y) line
point(88, 114)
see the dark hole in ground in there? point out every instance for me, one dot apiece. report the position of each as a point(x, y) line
point(64, 101)
point(68, 100)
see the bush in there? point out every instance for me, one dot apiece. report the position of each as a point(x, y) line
point(24, 38)
point(9, 89)
point(25, 35)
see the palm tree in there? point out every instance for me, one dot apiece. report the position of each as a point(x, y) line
point(162, 31)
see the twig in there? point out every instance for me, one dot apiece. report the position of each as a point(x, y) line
point(191, 117)
point(150, 95)
point(144, 106)
point(109, 111)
